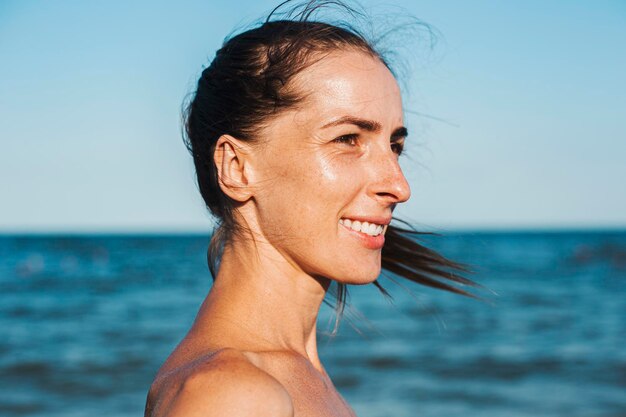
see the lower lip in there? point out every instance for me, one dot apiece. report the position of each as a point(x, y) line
point(370, 242)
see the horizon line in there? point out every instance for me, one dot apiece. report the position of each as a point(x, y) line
point(200, 232)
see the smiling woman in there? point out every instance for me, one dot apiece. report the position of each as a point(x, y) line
point(295, 128)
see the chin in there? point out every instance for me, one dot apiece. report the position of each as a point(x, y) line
point(359, 276)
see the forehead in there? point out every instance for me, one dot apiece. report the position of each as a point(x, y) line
point(350, 82)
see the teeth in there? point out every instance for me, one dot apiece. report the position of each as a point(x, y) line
point(371, 229)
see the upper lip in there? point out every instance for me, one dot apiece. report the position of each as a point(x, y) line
point(384, 220)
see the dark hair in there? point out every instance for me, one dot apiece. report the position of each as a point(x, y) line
point(248, 83)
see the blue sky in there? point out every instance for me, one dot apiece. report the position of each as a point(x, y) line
point(532, 94)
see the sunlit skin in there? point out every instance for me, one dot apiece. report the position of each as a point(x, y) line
point(335, 156)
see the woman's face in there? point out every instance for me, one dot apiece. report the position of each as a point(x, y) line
point(326, 173)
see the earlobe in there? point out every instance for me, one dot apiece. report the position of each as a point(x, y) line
point(231, 162)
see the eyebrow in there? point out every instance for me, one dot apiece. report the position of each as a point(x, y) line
point(367, 125)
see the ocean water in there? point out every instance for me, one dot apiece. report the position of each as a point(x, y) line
point(86, 321)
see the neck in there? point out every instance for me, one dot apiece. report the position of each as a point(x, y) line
point(263, 302)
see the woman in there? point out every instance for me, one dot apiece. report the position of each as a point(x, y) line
point(295, 128)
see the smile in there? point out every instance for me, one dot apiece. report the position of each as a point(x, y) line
point(371, 229)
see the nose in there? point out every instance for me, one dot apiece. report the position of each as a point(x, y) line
point(389, 185)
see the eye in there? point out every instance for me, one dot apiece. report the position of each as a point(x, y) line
point(397, 147)
point(347, 139)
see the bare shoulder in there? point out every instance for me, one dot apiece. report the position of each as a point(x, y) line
point(224, 384)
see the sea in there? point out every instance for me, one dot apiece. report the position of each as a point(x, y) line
point(86, 321)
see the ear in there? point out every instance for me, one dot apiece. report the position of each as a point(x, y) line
point(232, 163)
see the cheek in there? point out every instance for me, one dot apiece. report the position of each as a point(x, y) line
point(331, 185)
point(306, 197)
point(321, 179)
point(285, 201)
point(339, 175)
point(300, 208)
